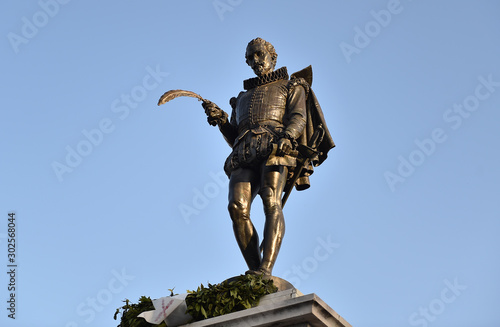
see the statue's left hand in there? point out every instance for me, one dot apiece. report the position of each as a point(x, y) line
point(284, 147)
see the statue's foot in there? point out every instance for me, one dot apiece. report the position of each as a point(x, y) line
point(265, 272)
point(260, 271)
point(253, 272)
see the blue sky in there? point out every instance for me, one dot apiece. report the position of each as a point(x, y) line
point(117, 198)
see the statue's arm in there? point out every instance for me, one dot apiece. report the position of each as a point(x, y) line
point(229, 131)
point(296, 112)
point(295, 119)
point(218, 117)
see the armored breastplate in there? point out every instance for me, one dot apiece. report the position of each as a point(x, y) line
point(263, 104)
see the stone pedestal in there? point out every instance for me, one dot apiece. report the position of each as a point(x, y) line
point(284, 308)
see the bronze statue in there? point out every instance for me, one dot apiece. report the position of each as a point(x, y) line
point(277, 133)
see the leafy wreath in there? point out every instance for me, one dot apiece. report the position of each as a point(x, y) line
point(242, 292)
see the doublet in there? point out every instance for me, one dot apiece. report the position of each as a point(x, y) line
point(272, 107)
point(262, 105)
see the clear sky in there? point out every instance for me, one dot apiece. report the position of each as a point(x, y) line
point(116, 198)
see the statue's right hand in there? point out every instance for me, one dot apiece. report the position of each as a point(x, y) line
point(209, 106)
point(215, 115)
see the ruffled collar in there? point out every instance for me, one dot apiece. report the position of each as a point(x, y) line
point(274, 76)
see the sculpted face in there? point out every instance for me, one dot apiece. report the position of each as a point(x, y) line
point(259, 59)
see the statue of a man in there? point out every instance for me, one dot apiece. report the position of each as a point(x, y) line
point(268, 120)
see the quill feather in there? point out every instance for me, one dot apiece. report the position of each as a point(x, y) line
point(172, 94)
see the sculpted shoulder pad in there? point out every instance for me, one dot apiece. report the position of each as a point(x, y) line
point(298, 81)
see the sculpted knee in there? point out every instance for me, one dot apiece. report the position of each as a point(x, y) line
point(269, 197)
point(238, 210)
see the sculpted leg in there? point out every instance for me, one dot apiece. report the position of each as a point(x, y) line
point(241, 193)
point(274, 179)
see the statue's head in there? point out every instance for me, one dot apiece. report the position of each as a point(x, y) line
point(261, 56)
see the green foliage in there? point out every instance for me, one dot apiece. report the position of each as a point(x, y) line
point(242, 293)
point(131, 311)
